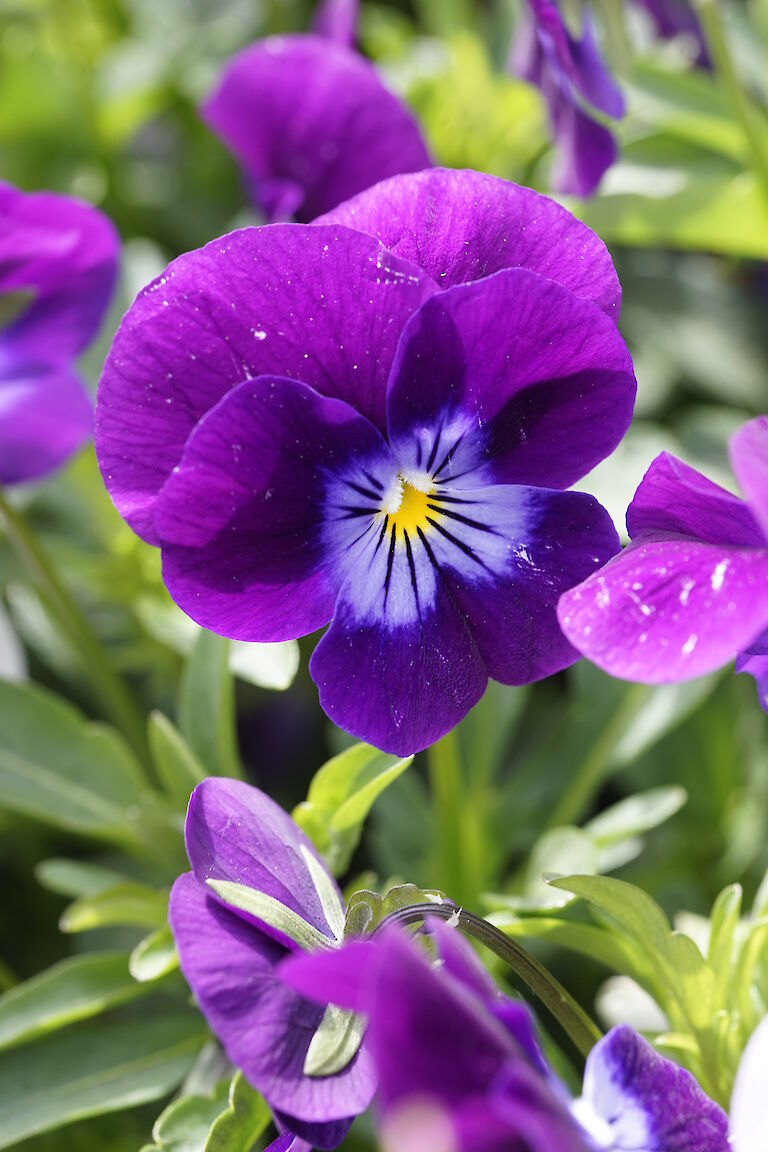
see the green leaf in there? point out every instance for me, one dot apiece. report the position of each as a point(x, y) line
point(178, 769)
point(610, 949)
point(129, 903)
point(635, 815)
point(76, 877)
point(57, 768)
point(185, 1124)
point(154, 956)
point(265, 665)
point(206, 710)
point(340, 797)
point(246, 1118)
point(726, 912)
point(74, 989)
point(92, 1069)
point(636, 911)
point(335, 1043)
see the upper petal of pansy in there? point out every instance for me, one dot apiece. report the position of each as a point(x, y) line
point(235, 833)
point(512, 379)
point(275, 486)
point(673, 497)
point(62, 255)
point(321, 305)
point(264, 1026)
point(507, 553)
point(647, 1101)
point(44, 417)
point(461, 226)
point(314, 116)
point(668, 609)
point(749, 460)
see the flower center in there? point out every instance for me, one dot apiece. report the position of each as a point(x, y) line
point(407, 502)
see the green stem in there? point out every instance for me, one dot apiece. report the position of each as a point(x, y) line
point(572, 1018)
point(106, 685)
point(717, 42)
point(445, 776)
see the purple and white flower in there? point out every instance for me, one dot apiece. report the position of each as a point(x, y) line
point(313, 431)
point(311, 123)
point(258, 892)
point(460, 1070)
point(58, 262)
point(690, 593)
point(569, 72)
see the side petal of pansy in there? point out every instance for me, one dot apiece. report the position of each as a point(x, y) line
point(324, 305)
point(265, 1027)
point(512, 379)
point(45, 415)
point(312, 124)
point(749, 460)
point(285, 484)
point(642, 1100)
point(462, 225)
point(60, 255)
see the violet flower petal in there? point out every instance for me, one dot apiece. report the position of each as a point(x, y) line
point(337, 20)
point(44, 417)
point(236, 833)
point(276, 474)
point(586, 149)
point(579, 59)
point(754, 660)
point(314, 117)
point(259, 301)
point(265, 1027)
point(650, 1102)
point(461, 226)
point(749, 460)
point(668, 609)
point(541, 406)
point(65, 253)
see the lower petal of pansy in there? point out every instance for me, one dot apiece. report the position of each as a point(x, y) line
point(749, 460)
point(507, 554)
point(668, 609)
point(754, 660)
point(265, 1027)
point(254, 562)
point(647, 1102)
point(44, 418)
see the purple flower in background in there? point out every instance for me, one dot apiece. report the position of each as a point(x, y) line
point(569, 71)
point(673, 18)
point(58, 260)
point(337, 20)
point(690, 592)
point(312, 124)
point(258, 891)
point(459, 1068)
point(314, 432)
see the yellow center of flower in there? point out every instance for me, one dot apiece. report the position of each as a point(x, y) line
point(407, 504)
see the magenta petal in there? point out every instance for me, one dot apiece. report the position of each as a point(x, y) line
point(650, 1102)
point(337, 20)
point(461, 226)
point(340, 977)
point(541, 405)
point(260, 301)
point(259, 560)
point(264, 1026)
point(749, 460)
point(44, 418)
point(673, 497)
point(236, 833)
point(668, 609)
point(311, 113)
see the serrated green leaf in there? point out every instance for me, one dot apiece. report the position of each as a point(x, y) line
point(178, 769)
point(154, 956)
point(206, 708)
point(92, 1069)
point(129, 903)
point(244, 1121)
point(74, 989)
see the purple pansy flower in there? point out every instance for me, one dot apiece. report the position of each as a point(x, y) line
point(58, 260)
point(312, 124)
point(258, 891)
point(454, 1055)
point(314, 432)
point(690, 592)
point(672, 18)
point(569, 71)
point(337, 20)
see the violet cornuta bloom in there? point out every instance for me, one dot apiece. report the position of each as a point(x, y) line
point(690, 592)
point(58, 261)
point(313, 431)
point(673, 18)
point(312, 124)
point(569, 71)
point(459, 1068)
point(258, 891)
